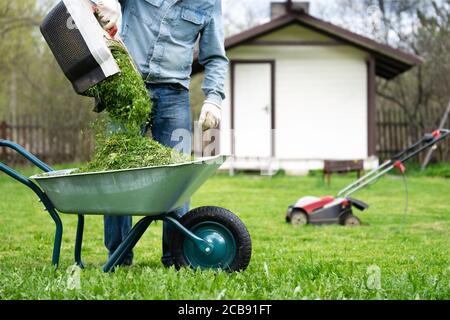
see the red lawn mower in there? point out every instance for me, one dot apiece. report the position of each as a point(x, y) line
point(339, 209)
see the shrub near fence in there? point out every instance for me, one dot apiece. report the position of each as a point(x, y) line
point(59, 144)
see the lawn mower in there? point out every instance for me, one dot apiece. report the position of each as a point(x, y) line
point(339, 209)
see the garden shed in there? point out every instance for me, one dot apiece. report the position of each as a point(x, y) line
point(300, 90)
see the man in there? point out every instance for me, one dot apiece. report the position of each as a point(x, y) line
point(161, 36)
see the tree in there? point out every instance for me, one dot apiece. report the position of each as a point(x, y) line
point(242, 15)
point(419, 27)
point(33, 87)
point(17, 18)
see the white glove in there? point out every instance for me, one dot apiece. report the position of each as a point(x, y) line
point(109, 13)
point(210, 116)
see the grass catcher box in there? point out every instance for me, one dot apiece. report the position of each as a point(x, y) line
point(79, 43)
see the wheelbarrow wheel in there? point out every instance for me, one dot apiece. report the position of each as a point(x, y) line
point(224, 230)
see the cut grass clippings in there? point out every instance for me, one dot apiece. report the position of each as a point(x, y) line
point(126, 151)
point(124, 95)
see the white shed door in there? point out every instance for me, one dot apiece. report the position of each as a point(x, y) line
point(252, 110)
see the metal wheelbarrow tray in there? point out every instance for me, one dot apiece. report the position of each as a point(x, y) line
point(205, 237)
point(143, 191)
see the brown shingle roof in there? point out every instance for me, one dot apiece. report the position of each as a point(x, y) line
point(390, 62)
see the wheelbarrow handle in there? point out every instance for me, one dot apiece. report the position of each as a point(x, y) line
point(42, 196)
point(27, 155)
point(19, 177)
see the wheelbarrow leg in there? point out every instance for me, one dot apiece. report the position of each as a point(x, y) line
point(58, 237)
point(44, 199)
point(128, 244)
point(79, 241)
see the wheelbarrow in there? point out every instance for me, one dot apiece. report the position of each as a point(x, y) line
point(205, 238)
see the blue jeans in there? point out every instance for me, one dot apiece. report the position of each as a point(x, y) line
point(171, 126)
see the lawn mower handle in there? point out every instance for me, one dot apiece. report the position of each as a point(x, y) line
point(428, 141)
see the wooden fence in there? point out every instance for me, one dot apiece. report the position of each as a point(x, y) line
point(60, 144)
point(63, 144)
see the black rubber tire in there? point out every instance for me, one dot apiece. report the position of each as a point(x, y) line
point(351, 221)
point(299, 216)
point(221, 216)
point(288, 214)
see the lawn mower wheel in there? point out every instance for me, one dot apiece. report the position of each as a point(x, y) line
point(351, 221)
point(298, 218)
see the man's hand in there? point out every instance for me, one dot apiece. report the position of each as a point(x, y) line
point(108, 13)
point(210, 116)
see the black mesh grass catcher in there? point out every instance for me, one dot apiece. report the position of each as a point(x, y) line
point(79, 43)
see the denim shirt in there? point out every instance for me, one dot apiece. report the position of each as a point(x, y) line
point(161, 35)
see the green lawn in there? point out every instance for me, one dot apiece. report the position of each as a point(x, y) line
point(328, 262)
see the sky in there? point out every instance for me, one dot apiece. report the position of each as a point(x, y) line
point(242, 14)
point(238, 7)
point(238, 11)
point(265, 4)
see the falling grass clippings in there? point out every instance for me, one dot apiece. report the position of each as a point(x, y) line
point(125, 98)
point(123, 95)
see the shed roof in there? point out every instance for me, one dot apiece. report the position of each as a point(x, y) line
point(390, 62)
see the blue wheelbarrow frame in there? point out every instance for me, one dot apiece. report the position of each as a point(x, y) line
point(125, 247)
